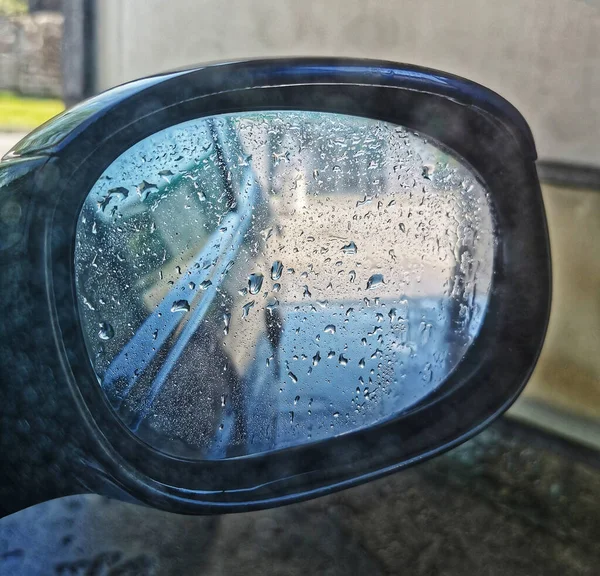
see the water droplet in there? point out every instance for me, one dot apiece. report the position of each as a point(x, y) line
point(365, 200)
point(296, 400)
point(291, 417)
point(316, 359)
point(392, 314)
point(427, 373)
point(330, 354)
point(87, 303)
point(293, 377)
point(349, 248)
point(425, 329)
point(106, 331)
point(403, 312)
point(276, 287)
point(204, 285)
point(402, 227)
point(192, 285)
point(228, 267)
point(255, 282)
point(119, 192)
point(352, 275)
point(306, 293)
point(180, 306)
point(144, 186)
point(246, 308)
point(342, 360)
point(226, 322)
point(276, 270)
point(374, 281)
point(336, 414)
point(330, 329)
point(223, 400)
point(349, 311)
point(361, 363)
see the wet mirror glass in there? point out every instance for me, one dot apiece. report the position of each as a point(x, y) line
point(255, 281)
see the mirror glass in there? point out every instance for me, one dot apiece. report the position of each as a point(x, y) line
point(254, 281)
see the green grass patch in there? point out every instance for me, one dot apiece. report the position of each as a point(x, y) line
point(13, 7)
point(24, 113)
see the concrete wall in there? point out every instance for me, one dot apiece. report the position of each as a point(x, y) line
point(543, 55)
point(30, 52)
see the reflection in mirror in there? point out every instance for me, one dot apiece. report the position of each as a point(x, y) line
point(256, 281)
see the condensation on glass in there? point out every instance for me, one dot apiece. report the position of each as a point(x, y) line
point(255, 281)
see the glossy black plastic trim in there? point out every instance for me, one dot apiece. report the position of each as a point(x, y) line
point(263, 73)
point(478, 125)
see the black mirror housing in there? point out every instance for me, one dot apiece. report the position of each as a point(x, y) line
point(59, 434)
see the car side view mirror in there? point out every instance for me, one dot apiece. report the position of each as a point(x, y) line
point(252, 283)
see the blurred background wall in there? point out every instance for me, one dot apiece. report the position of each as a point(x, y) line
point(30, 53)
point(542, 55)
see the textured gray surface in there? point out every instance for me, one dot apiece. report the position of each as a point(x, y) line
point(500, 504)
